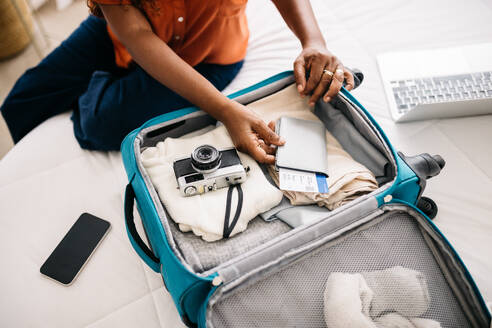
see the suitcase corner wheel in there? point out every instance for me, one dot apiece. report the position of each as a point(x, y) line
point(428, 206)
point(425, 167)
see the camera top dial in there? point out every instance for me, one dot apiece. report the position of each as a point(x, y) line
point(205, 159)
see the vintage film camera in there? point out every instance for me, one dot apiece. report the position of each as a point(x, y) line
point(208, 169)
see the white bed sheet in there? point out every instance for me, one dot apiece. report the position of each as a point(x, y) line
point(47, 181)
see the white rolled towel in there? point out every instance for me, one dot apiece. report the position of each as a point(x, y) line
point(398, 289)
point(347, 300)
point(425, 323)
point(395, 320)
point(391, 298)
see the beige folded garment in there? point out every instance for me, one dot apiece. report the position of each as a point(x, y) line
point(347, 179)
point(347, 188)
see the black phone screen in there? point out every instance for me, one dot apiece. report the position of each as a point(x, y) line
point(75, 248)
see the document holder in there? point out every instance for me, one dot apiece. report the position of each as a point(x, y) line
point(305, 145)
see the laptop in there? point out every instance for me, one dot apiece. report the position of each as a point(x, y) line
point(438, 83)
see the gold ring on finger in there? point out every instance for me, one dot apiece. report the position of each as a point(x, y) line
point(325, 71)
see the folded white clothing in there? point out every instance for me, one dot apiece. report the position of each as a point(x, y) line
point(347, 178)
point(425, 323)
point(375, 299)
point(347, 299)
point(204, 214)
point(395, 320)
point(398, 289)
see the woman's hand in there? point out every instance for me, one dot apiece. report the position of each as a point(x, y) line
point(326, 74)
point(251, 134)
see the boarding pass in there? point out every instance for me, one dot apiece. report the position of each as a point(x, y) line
point(294, 180)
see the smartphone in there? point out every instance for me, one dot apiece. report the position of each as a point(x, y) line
point(73, 251)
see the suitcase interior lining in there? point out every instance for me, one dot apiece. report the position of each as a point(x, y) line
point(348, 127)
point(288, 291)
point(378, 152)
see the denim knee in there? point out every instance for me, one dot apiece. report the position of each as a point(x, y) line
point(97, 123)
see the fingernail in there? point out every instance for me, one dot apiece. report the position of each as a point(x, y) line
point(311, 104)
point(299, 87)
point(282, 140)
point(327, 99)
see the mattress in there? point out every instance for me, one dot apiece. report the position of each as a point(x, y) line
point(47, 181)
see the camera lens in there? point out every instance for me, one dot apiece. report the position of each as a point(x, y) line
point(204, 154)
point(205, 159)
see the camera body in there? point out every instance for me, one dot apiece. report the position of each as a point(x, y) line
point(208, 169)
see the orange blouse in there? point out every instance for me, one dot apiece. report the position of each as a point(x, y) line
point(210, 31)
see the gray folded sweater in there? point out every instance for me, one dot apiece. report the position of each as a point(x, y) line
point(202, 255)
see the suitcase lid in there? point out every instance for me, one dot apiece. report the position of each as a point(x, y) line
point(395, 235)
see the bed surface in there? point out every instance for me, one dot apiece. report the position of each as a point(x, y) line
point(47, 181)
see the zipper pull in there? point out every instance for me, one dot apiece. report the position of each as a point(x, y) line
point(217, 281)
point(387, 198)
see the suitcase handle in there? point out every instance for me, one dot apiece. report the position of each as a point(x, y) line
point(138, 244)
point(425, 167)
point(358, 76)
point(356, 73)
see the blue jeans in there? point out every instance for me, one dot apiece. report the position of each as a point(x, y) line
point(108, 102)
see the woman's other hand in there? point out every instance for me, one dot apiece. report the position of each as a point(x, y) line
point(326, 74)
point(251, 134)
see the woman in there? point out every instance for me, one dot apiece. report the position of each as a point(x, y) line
point(148, 57)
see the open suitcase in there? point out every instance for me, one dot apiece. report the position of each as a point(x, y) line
point(280, 283)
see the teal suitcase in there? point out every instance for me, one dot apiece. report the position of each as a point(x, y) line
point(280, 283)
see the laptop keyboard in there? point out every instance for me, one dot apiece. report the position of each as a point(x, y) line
point(410, 93)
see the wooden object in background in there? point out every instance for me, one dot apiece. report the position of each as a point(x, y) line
point(16, 27)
